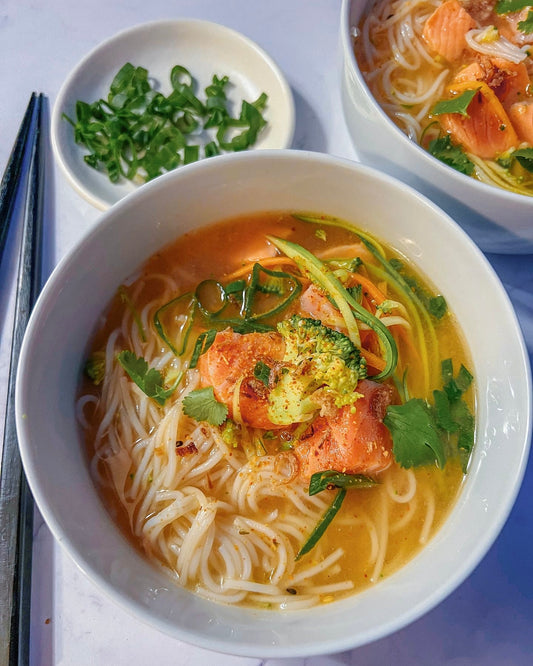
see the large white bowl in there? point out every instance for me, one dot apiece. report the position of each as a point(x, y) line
point(497, 220)
point(71, 302)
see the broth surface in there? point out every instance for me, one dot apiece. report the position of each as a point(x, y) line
point(227, 521)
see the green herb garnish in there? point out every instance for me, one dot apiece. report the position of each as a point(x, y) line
point(445, 151)
point(202, 405)
point(525, 158)
point(415, 434)
point(322, 524)
point(203, 342)
point(526, 26)
point(137, 133)
point(149, 380)
point(95, 367)
point(510, 6)
point(423, 434)
point(332, 479)
point(458, 104)
point(329, 480)
point(262, 372)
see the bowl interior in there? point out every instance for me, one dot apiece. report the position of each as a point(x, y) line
point(202, 193)
point(205, 49)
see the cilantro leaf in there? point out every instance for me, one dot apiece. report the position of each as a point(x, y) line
point(149, 380)
point(525, 156)
point(526, 26)
point(424, 433)
point(445, 151)
point(416, 440)
point(262, 372)
point(202, 405)
point(510, 6)
point(437, 306)
point(458, 104)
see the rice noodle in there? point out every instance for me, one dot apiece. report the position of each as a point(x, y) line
point(500, 48)
point(222, 520)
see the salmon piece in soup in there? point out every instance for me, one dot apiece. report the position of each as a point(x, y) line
point(521, 115)
point(353, 441)
point(486, 130)
point(445, 30)
point(507, 25)
point(509, 80)
point(228, 366)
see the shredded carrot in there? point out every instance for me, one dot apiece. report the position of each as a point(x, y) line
point(400, 332)
point(266, 262)
point(370, 288)
point(372, 360)
point(368, 304)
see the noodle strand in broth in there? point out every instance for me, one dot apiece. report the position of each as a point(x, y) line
point(227, 518)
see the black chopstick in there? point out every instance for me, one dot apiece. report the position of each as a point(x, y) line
point(16, 502)
point(10, 179)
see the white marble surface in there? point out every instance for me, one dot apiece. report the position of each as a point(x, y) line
point(488, 620)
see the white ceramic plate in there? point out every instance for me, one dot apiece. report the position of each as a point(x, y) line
point(204, 48)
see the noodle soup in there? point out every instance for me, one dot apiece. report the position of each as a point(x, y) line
point(282, 423)
point(455, 76)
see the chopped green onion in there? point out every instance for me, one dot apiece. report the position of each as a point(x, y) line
point(281, 284)
point(124, 297)
point(181, 307)
point(322, 524)
point(203, 342)
point(211, 297)
point(330, 478)
point(137, 133)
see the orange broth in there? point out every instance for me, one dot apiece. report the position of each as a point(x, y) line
point(220, 250)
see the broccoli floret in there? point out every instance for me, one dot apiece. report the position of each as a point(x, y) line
point(319, 365)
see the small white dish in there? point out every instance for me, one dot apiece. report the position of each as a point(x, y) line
point(205, 49)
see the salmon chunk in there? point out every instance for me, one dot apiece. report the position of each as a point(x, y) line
point(354, 441)
point(509, 81)
point(521, 115)
point(486, 131)
point(445, 30)
point(228, 366)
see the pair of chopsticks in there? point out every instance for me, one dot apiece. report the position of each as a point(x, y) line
point(16, 502)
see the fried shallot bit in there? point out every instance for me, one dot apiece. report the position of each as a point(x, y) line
point(185, 449)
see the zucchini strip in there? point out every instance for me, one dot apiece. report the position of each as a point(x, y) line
point(347, 305)
point(341, 224)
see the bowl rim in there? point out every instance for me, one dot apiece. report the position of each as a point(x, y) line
point(98, 200)
point(50, 292)
point(445, 170)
